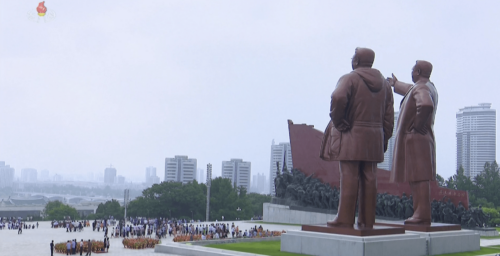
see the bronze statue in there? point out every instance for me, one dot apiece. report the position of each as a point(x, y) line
point(362, 118)
point(415, 148)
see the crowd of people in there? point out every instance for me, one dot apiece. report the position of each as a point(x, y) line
point(16, 224)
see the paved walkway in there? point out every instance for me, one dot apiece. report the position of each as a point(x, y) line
point(36, 241)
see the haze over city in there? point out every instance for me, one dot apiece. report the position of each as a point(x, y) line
point(130, 83)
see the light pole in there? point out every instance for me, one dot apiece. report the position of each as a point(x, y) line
point(170, 213)
point(192, 218)
point(238, 210)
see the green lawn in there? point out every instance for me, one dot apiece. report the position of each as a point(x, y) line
point(483, 251)
point(273, 248)
point(265, 248)
point(498, 229)
point(490, 237)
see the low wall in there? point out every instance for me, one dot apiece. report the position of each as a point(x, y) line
point(231, 241)
point(283, 214)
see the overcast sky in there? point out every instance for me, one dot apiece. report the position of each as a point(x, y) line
point(129, 83)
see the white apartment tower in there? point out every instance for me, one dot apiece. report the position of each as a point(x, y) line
point(279, 153)
point(388, 155)
point(201, 176)
point(6, 175)
point(180, 169)
point(476, 138)
point(109, 175)
point(238, 172)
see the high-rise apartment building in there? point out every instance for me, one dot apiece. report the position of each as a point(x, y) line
point(29, 175)
point(388, 155)
point(279, 153)
point(151, 177)
point(476, 138)
point(259, 183)
point(150, 172)
point(6, 175)
point(201, 175)
point(238, 172)
point(109, 175)
point(180, 169)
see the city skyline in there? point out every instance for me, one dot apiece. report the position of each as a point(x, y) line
point(83, 93)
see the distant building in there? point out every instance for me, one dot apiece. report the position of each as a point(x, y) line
point(259, 183)
point(151, 177)
point(6, 175)
point(57, 177)
point(44, 175)
point(120, 179)
point(476, 138)
point(201, 175)
point(238, 172)
point(29, 175)
point(109, 175)
point(279, 153)
point(388, 155)
point(180, 169)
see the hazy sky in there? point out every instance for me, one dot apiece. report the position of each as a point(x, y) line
point(129, 83)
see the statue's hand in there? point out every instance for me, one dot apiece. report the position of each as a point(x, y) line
point(392, 80)
point(344, 126)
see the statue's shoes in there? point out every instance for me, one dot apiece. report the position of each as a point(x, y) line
point(413, 221)
point(336, 223)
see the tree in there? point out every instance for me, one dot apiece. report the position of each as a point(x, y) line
point(440, 180)
point(487, 183)
point(57, 211)
point(110, 208)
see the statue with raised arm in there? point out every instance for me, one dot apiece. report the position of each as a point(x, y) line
point(414, 158)
point(361, 122)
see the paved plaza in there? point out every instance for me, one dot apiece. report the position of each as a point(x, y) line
point(36, 241)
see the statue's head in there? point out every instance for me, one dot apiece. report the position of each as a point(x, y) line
point(422, 69)
point(363, 57)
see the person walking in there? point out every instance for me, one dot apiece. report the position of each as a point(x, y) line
point(52, 248)
point(81, 247)
point(89, 250)
point(73, 246)
point(107, 244)
point(68, 248)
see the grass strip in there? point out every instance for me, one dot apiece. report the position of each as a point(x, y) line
point(482, 251)
point(490, 237)
point(266, 248)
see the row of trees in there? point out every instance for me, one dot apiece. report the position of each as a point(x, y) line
point(177, 200)
point(483, 189)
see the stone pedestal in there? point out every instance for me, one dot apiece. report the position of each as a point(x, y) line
point(324, 244)
point(434, 227)
point(377, 230)
point(450, 241)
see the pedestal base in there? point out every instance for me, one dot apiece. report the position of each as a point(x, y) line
point(324, 244)
point(376, 231)
point(450, 241)
point(434, 227)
